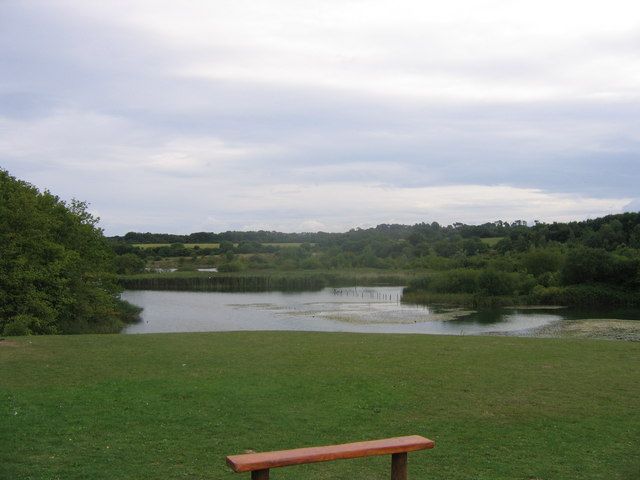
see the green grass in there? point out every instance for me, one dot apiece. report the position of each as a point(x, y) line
point(491, 241)
point(186, 245)
point(284, 244)
point(211, 245)
point(172, 406)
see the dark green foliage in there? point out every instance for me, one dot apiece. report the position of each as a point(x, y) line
point(595, 265)
point(261, 281)
point(455, 281)
point(483, 283)
point(230, 266)
point(585, 296)
point(586, 265)
point(498, 259)
point(129, 263)
point(56, 269)
point(493, 283)
point(473, 246)
point(542, 260)
point(447, 248)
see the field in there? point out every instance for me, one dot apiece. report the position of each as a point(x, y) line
point(186, 245)
point(172, 406)
point(491, 241)
point(289, 244)
point(211, 245)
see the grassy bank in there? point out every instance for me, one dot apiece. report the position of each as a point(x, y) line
point(172, 406)
point(263, 280)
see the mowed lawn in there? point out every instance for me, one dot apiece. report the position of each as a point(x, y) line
point(172, 406)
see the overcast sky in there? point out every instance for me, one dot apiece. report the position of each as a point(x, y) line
point(213, 115)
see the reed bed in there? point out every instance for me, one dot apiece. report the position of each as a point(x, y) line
point(259, 282)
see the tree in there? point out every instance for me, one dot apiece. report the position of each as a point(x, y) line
point(128, 264)
point(586, 265)
point(56, 268)
point(542, 260)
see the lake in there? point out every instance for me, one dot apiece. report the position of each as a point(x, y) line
point(361, 309)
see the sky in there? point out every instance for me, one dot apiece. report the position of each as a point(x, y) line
point(323, 115)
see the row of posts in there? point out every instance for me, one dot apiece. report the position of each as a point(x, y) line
point(365, 293)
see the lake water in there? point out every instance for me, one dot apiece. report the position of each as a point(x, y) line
point(362, 309)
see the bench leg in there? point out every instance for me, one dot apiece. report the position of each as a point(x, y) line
point(260, 474)
point(399, 466)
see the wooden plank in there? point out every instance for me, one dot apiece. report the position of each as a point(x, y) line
point(260, 461)
point(399, 466)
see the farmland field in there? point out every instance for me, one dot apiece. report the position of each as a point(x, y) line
point(211, 245)
point(187, 245)
point(491, 241)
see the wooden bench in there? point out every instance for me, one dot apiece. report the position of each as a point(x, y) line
point(260, 463)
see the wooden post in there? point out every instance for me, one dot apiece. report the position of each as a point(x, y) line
point(399, 466)
point(260, 474)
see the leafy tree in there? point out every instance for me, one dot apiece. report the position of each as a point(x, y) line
point(128, 264)
point(586, 265)
point(634, 237)
point(56, 268)
point(542, 260)
point(473, 246)
point(446, 248)
point(493, 282)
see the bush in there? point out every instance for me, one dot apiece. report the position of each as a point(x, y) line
point(128, 264)
point(20, 325)
point(227, 267)
point(56, 267)
point(584, 296)
point(586, 265)
point(455, 281)
point(542, 260)
point(492, 282)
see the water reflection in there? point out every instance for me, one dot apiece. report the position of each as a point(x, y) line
point(374, 310)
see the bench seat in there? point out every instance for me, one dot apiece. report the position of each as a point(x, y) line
point(264, 461)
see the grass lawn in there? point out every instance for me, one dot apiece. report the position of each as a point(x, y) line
point(172, 406)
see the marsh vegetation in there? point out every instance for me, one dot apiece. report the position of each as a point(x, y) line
point(589, 263)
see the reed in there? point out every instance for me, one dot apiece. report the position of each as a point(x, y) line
point(259, 282)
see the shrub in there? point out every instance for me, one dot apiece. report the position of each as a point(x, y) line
point(20, 325)
point(56, 268)
point(492, 282)
point(227, 267)
point(455, 281)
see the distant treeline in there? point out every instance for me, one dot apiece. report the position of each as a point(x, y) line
point(261, 236)
point(588, 262)
point(607, 232)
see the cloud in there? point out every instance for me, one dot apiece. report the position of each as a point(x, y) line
point(340, 206)
point(237, 114)
point(632, 206)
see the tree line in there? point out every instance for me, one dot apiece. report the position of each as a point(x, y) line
point(594, 261)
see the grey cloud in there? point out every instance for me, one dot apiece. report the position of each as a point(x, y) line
point(123, 110)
